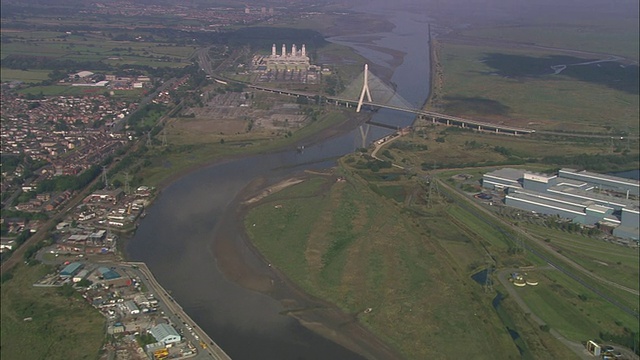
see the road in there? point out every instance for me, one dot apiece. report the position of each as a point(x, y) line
point(43, 231)
point(377, 148)
point(545, 253)
point(177, 313)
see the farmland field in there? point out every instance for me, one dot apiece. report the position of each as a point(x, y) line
point(519, 87)
point(91, 49)
point(31, 76)
point(61, 327)
point(607, 36)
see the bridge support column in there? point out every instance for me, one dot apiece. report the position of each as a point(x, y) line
point(496, 130)
point(365, 88)
point(479, 127)
point(448, 122)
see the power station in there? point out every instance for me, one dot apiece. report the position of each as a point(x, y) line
point(294, 60)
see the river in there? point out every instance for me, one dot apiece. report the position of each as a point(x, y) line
point(181, 237)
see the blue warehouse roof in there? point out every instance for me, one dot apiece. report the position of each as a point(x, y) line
point(107, 273)
point(70, 269)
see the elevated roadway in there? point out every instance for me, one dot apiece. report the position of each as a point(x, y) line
point(434, 117)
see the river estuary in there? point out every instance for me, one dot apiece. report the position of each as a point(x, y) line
point(182, 236)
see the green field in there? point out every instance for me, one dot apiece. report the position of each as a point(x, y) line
point(62, 327)
point(94, 46)
point(444, 147)
point(611, 261)
point(412, 267)
point(89, 48)
point(55, 90)
point(577, 313)
point(31, 76)
point(519, 88)
point(388, 243)
point(619, 37)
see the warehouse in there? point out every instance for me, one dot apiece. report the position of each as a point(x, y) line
point(543, 203)
point(165, 333)
point(502, 179)
point(70, 270)
point(132, 308)
point(80, 276)
point(538, 182)
point(629, 228)
point(583, 196)
point(570, 195)
point(108, 274)
point(603, 181)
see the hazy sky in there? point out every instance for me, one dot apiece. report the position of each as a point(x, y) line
point(518, 8)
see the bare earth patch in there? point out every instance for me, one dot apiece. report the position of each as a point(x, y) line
point(211, 126)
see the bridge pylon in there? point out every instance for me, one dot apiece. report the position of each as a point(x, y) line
point(365, 88)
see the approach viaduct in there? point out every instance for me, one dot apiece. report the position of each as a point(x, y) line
point(434, 117)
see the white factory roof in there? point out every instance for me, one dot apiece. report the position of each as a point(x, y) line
point(83, 74)
point(165, 333)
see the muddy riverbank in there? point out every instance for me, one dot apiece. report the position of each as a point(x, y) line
point(193, 236)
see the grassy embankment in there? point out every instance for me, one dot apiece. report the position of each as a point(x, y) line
point(344, 268)
point(63, 327)
point(444, 147)
point(501, 82)
point(411, 264)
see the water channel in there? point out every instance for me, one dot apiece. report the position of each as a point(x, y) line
point(178, 237)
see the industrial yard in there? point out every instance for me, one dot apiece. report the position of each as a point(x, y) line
point(143, 321)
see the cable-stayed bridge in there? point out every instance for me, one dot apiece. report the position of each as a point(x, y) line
point(369, 91)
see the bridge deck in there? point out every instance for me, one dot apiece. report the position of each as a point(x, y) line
point(449, 119)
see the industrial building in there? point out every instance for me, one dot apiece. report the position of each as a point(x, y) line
point(296, 59)
point(502, 179)
point(165, 333)
point(80, 276)
point(70, 270)
point(603, 181)
point(583, 197)
point(111, 277)
point(131, 307)
point(108, 274)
